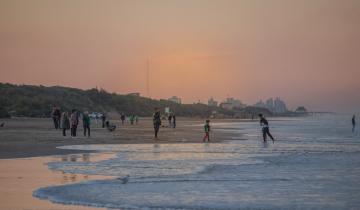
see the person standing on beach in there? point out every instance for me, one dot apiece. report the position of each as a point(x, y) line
point(169, 119)
point(353, 123)
point(103, 119)
point(132, 118)
point(86, 123)
point(65, 122)
point(265, 128)
point(136, 119)
point(122, 118)
point(74, 120)
point(174, 120)
point(207, 131)
point(56, 115)
point(156, 121)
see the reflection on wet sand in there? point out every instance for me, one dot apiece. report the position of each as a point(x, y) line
point(20, 177)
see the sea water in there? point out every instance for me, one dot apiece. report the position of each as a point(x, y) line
point(313, 164)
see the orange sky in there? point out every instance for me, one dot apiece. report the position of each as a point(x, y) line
point(307, 52)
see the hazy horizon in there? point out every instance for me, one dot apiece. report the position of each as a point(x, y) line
point(305, 52)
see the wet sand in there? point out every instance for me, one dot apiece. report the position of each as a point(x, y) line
point(20, 177)
point(33, 137)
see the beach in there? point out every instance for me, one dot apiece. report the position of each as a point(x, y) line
point(32, 137)
point(313, 164)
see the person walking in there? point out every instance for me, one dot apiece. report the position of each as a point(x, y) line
point(265, 128)
point(86, 123)
point(353, 123)
point(156, 121)
point(207, 131)
point(74, 120)
point(65, 122)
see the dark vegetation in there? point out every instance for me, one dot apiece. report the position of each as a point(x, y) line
point(37, 101)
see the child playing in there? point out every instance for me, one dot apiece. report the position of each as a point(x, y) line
point(207, 131)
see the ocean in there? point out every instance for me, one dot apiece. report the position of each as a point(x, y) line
point(314, 163)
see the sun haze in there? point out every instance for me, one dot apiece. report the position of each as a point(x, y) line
point(307, 52)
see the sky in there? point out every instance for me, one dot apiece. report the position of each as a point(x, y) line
point(306, 52)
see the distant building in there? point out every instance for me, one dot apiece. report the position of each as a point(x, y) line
point(228, 106)
point(175, 99)
point(276, 106)
point(134, 94)
point(231, 103)
point(301, 109)
point(212, 102)
point(260, 104)
point(279, 106)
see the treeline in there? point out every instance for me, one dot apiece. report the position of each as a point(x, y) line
point(37, 101)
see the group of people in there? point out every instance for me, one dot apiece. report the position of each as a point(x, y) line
point(66, 121)
point(71, 122)
point(207, 128)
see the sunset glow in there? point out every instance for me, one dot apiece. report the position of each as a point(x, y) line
point(306, 52)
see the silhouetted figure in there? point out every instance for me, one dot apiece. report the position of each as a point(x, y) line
point(74, 119)
point(86, 123)
point(65, 122)
point(169, 119)
point(156, 121)
point(56, 115)
point(2, 124)
point(353, 123)
point(122, 118)
point(207, 131)
point(136, 119)
point(103, 118)
point(110, 127)
point(174, 121)
point(265, 128)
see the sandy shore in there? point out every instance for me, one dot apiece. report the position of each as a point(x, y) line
point(26, 139)
point(20, 177)
point(33, 137)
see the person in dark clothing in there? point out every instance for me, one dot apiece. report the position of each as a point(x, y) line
point(86, 123)
point(156, 121)
point(353, 123)
point(56, 115)
point(265, 128)
point(103, 119)
point(174, 121)
point(65, 122)
point(122, 118)
point(169, 119)
point(207, 131)
point(74, 119)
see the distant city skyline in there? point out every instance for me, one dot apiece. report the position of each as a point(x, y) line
point(305, 52)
